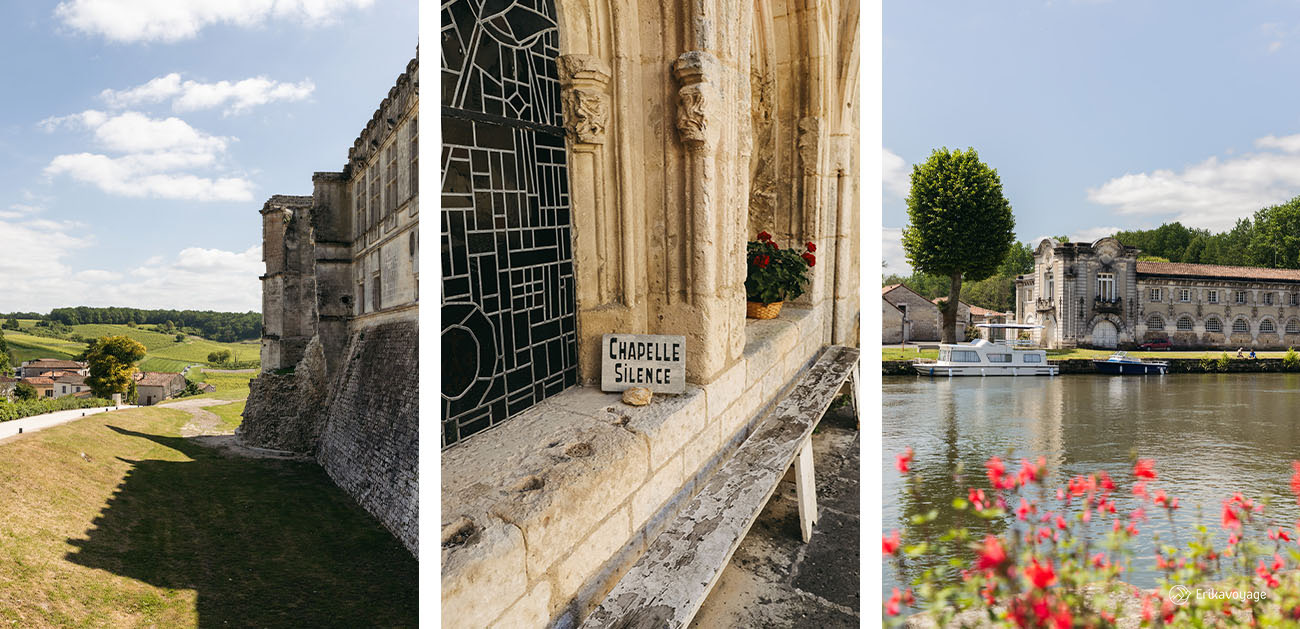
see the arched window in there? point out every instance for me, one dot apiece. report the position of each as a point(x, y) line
point(1213, 324)
point(1185, 324)
point(1240, 325)
point(1293, 326)
point(1154, 322)
point(1266, 326)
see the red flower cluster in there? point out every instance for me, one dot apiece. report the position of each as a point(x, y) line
point(762, 261)
point(904, 460)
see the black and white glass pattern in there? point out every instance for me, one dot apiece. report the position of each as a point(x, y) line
point(508, 322)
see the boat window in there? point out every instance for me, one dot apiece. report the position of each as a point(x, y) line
point(999, 358)
point(943, 354)
point(965, 356)
point(1032, 358)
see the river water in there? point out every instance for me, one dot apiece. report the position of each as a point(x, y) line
point(1210, 435)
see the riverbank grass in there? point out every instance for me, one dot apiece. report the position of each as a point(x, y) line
point(115, 520)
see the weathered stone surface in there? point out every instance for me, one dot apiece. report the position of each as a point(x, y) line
point(657, 490)
point(284, 412)
point(533, 610)
point(637, 396)
point(483, 573)
point(667, 585)
point(596, 547)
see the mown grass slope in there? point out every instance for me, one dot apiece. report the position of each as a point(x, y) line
point(115, 520)
point(163, 351)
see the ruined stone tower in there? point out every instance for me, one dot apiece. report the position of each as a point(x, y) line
point(340, 308)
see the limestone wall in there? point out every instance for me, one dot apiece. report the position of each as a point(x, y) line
point(541, 516)
point(369, 441)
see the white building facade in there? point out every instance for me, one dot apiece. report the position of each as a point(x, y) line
point(1099, 295)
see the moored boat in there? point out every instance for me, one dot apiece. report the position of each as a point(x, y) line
point(1121, 364)
point(983, 358)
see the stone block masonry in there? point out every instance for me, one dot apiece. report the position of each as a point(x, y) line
point(369, 443)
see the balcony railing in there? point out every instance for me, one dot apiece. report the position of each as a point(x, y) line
point(1044, 304)
point(1107, 304)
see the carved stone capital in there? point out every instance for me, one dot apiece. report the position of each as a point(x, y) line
point(584, 80)
point(698, 98)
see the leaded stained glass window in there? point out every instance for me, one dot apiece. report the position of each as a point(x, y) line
point(509, 324)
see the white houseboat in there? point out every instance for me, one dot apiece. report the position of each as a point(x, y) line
point(982, 358)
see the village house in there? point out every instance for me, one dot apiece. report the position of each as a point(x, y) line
point(1100, 295)
point(69, 383)
point(7, 385)
point(44, 366)
point(921, 318)
point(44, 385)
point(153, 387)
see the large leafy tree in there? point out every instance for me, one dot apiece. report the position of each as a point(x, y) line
point(112, 362)
point(960, 225)
point(6, 365)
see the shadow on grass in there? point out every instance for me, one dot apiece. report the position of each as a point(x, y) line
point(265, 543)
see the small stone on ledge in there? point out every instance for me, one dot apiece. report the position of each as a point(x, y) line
point(637, 396)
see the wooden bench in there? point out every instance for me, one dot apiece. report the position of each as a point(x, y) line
point(666, 587)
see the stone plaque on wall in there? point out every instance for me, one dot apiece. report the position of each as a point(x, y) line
point(654, 361)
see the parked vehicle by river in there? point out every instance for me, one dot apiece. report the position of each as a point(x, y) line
point(984, 358)
point(1156, 344)
point(1121, 364)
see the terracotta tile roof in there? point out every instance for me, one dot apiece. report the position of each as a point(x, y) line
point(157, 379)
point(985, 312)
point(71, 378)
point(886, 289)
point(54, 363)
point(38, 380)
point(1214, 270)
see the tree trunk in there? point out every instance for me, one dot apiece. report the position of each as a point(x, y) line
point(950, 309)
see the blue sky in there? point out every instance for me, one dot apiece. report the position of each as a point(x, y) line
point(1097, 115)
point(139, 147)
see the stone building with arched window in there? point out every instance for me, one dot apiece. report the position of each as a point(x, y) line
point(604, 164)
point(1100, 295)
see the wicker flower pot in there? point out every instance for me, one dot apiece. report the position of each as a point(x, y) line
point(756, 309)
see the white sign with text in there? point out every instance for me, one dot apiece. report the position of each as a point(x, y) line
point(654, 361)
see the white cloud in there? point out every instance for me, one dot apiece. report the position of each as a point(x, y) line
point(897, 176)
point(236, 97)
point(892, 252)
point(35, 274)
point(132, 21)
point(1214, 193)
point(152, 152)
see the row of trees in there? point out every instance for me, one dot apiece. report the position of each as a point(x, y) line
point(1270, 238)
point(226, 327)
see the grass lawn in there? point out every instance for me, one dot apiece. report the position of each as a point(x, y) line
point(114, 520)
point(163, 352)
point(231, 414)
point(230, 386)
point(894, 353)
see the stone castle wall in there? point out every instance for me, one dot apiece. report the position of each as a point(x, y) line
point(340, 310)
point(369, 441)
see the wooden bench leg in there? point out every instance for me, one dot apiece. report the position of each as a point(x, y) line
point(853, 392)
point(805, 484)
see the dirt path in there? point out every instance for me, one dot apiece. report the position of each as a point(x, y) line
point(202, 421)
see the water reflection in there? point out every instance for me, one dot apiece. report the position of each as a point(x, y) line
point(1211, 435)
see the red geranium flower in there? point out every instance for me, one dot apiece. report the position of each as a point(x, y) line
point(810, 258)
point(774, 245)
point(1040, 575)
point(903, 460)
point(992, 554)
point(763, 235)
point(1145, 468)
point(890, 544)
point(811, 247)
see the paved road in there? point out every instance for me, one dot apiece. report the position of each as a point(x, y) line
point(774, 579)
point(37, 422)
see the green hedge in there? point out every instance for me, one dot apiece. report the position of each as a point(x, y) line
point(27, 408)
